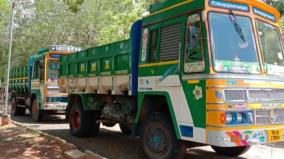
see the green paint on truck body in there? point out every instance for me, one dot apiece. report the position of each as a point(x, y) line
point(163, 17)
point(90, 101)
point(157, 71)
point(175, 12)
point(19, 79)
point(159, 6)
point(197, 106)
point(111, 59)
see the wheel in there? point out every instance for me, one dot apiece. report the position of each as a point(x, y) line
point(15, 110)
point(158, 138)
point(82, 123)
point(231, 151)
point(94, 127)
point(37, 114)
point(125, 129)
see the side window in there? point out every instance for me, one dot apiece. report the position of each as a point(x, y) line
point(38, 70)
point(170, 42)
point(153, 45)
point(194, 55)
point(35, 65)
point(41, 70)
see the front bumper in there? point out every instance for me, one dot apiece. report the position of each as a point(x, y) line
point(55, 106)
point(235, 138)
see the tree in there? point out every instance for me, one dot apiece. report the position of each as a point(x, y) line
point(82, 23)
point(4, 30)
point(278, 4)
point(113, 21)
point(74, 5)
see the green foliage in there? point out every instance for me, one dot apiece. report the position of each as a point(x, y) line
point(82, 23)
point(278, 4)
point(4, 6)
point(4, 23)
point(74, 5)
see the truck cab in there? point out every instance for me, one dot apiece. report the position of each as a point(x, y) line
point(221, 66)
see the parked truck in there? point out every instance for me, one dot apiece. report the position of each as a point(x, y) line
point(35, 86)
point(194, 72)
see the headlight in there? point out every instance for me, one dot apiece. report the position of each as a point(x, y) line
point(229, 118)
point(239, 117)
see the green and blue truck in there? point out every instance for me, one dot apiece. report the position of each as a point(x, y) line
point(35, 86)
point(194, 72)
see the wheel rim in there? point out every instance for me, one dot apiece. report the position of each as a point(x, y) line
point(157, 140)
point(76, 120)
point(35, 111)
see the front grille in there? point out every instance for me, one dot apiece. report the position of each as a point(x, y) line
point(274, 94)
point(254, 95)
point(235, 95)
point(271, 116)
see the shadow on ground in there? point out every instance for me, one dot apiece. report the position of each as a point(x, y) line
point(110, 142)
point(16, 142)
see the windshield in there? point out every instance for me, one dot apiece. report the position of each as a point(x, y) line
point(271, 48)
point(233, 44)
point(52, 71)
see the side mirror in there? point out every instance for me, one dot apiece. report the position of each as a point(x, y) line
point(41, 64)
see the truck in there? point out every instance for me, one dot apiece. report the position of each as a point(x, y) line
point(193, 72)
point(35, 85)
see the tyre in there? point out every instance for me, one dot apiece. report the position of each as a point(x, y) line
point(95, 127)
point(82, 123)
point(125, 129)
point(15, 110)
point(37, 114)
point(158, 139)
point(231, 151)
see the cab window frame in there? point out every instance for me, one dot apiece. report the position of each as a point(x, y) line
point(152, 56)
point(200, 42)
point(281, 40)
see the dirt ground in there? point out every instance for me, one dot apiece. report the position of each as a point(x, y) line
point(19, 143)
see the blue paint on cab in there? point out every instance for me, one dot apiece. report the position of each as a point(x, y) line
point(186, 131)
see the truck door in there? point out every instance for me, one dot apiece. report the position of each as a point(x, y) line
point(193, 68)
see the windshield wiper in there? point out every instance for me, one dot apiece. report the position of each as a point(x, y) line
point(236, 25)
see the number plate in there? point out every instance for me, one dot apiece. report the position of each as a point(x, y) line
point(274, 135)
